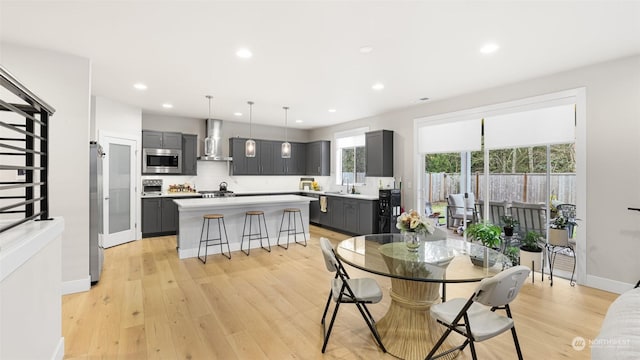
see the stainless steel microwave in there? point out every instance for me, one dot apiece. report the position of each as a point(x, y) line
point(161, 161)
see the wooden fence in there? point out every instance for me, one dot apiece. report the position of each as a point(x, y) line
point(510, 187)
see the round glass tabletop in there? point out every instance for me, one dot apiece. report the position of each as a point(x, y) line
point(442, 261)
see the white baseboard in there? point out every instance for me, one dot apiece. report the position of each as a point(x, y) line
point(76, 286)
point(614, 286)
point(59, 353)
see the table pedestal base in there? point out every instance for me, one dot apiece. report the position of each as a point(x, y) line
point(407, 329)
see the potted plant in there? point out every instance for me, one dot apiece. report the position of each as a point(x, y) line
point(559, 231)
point(488, 235)
point(531, 251)
point(509, 224)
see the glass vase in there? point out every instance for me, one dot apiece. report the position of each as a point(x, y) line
point(412, 240)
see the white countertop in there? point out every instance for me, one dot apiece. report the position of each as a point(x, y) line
point(341, 194)
point(192, 204)
point(270, 192)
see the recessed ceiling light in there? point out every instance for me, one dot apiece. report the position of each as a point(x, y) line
point(140, 86)
point(489, 48)
point(244, 53)
point(237, 114)
point(332, 110)
point(366, 49)
point(378, 86)
point(299, 121)
point(167, 106)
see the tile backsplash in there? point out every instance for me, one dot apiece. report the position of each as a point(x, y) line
point(211, 174)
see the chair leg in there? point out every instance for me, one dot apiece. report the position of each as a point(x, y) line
point(244, 227)
point(302, 226)
point(507, 308)
point(370, 324)
point(333, 319)
point(264, 221)
point(324, 314)
point(226, 237)
point(572, 282)
point(204, 261)
point(280, 232)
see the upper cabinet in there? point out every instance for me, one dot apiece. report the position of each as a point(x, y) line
point(268, 159)
point(161, 140)
point(379, 146)
point(189, 154)
point(318, 158)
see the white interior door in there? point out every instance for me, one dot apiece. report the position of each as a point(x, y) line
point(119, 183)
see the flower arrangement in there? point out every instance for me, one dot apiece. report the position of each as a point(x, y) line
point(412, 222)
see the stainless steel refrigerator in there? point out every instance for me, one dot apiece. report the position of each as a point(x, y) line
point(96, 250)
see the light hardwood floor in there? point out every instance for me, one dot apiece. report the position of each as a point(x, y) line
point(149, 304)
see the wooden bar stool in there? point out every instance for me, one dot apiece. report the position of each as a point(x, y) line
point(254, 236)
point(292, 230)
point(213, 241)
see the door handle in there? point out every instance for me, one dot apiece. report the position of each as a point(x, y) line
point(633, 209)
point(107, 198)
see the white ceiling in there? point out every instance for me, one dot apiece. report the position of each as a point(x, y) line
point(306, 53)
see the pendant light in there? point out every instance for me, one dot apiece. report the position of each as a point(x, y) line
point(209, 141)
point(286, 146)
point(250, 145)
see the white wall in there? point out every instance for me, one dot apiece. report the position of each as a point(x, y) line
point(64, 82)
point(613, 156)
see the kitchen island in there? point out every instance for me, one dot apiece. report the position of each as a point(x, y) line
point(191, 211)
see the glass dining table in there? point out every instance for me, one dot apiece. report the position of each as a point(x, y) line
point(407, 329)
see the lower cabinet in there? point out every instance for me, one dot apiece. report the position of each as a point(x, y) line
point(352, 216)
point(159, 216)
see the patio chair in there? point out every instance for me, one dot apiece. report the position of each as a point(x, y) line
point(530, 216)
point(475, 318)
point(457, 205)
point(497, 209)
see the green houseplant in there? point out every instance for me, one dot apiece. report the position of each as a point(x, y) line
point(488, 235)
point(559, 231)
point(531, 251)
point(509, 224)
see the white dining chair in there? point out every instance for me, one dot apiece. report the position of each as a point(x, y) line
point(346, 290)
point(475, 318)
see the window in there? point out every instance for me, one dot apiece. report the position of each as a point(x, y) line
point(350, 156)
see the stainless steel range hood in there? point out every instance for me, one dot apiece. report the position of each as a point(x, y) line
point(213, 142)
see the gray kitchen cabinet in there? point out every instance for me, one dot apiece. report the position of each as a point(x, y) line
point(367, 217)
point(335, 206)
point(169, 215)
point(240, 164)
point(350, 213)
point(266, 153)
point(189, 154)
point(151, 216)
point(318, 158)
point(314, 209)
point(160, 216)
point(297, 164)
point(161, 140)
point(379, 159)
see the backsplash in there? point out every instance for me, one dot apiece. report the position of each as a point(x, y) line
point(211, 174)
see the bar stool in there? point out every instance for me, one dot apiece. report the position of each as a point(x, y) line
point(254, 236)
point(213, 241)
point(292, 230)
